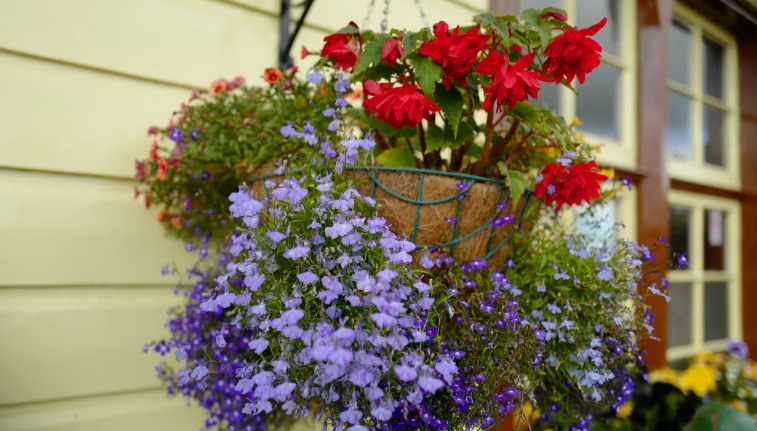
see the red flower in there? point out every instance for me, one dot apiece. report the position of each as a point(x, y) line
point(272, 75)
point(456, 53)
point(162, 216)
point(154, 150)
point(556, 15)
point(140, 168)
point(153, 130)
point(195, 94)
point(398, 106)
point(569, 184)
point(391, 52)
point(217, 87)
point(342, 48)
point(162, 169)
point(303, 52)
point(510, 83)
point(148, 201)
point(573, 53)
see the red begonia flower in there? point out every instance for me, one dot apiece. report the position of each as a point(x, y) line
point(511, 83)
point(455, 52)
point(342, 48)
point(162, 169)
point(573, 54)
point(570, 184)
point(154, 150)
point(398, 106)
point(391, 52)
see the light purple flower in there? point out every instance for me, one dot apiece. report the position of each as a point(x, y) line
point(297, 252)
point(405, 373)
point(307, 278)
point(430, 384)
point(383, 320)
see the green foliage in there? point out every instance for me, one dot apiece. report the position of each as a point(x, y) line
point(397, 158)
point(236, 136)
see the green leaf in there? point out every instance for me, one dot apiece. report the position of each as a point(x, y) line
point(474, 151)
point(545, 34)
point(397, 158)
point(350, 29)
point(526, 111)
point(371, 55)
point(435, 138)
point(499, 23)
point(410, 40)
point(451, 102)
point(465, 133)
point(427, 73)
point(517, 181)
point(531, 17)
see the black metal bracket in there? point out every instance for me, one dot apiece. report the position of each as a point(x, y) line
point(286, 39)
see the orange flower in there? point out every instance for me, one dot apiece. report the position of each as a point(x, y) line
point(176, 222)
point(154, 150)
point(304, 52)
point(272, 75)
point(162, 216)
point(218, 86)
point(356, 94)
point(162, 168)
point(324, 91)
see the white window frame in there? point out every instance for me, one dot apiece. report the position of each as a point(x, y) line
point(697, 170)
point(697, 276)
point(621, 152)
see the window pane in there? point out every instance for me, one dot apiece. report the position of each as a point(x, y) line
point(715, 311)
point(597, 102)
point(713, 135)
point(713, 65)
point(679, 315)
point(539, 4)
point(679, 53)
point(680, 227)
point(679, 127)
point(714, 240)
point(589, 12)
point(597, 222)
point(549, 95)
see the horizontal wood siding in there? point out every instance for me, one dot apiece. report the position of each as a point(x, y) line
point(80, 260)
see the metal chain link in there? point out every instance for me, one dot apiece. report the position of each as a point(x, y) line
point(384, 22)
point(424, 18)
point(367, 19)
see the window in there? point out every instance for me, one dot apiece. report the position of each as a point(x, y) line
point(606, 102)
point(702, 132)
point(705, 307)
point(611, 219)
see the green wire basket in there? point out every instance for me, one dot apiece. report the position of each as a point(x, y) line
point(377, 187)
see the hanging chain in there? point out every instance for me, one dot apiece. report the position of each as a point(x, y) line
point(367, 19)
point(424, 18)
point(384, 22)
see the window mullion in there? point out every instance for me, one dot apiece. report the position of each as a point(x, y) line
point(696, 86)
point(696, 262)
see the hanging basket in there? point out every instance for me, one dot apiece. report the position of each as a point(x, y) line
point(418, 203)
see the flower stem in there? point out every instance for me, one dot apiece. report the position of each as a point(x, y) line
point(489, 134)
point(422, 138)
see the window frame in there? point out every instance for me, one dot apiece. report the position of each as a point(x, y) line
point(697, 276)
point(621, 152)
point(697, 171)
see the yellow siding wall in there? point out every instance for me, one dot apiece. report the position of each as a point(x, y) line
point(80, 288)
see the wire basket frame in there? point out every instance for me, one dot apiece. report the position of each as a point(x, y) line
point(503, 194)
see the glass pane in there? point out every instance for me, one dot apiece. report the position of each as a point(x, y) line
point(597, 102)
point(597, 222)
point(714, 240)
point(713, 65)
point(679, 315)
point(549, 95)
point(678, 136)
point(713, 135)
point(539, 4)
point(680, 228)
point(589, 12)
point(679, 53)
point(715, 311)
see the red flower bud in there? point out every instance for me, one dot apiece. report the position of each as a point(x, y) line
point(391, 52)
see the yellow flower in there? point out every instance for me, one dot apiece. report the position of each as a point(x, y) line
point(579, 136)
point(576, 122)
point(608, 172)
point(625, 410)
point(531, 416)
point(552, 152)
point(705, 357)
point(699, 378)
point(739, 405)
point(664, 375)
